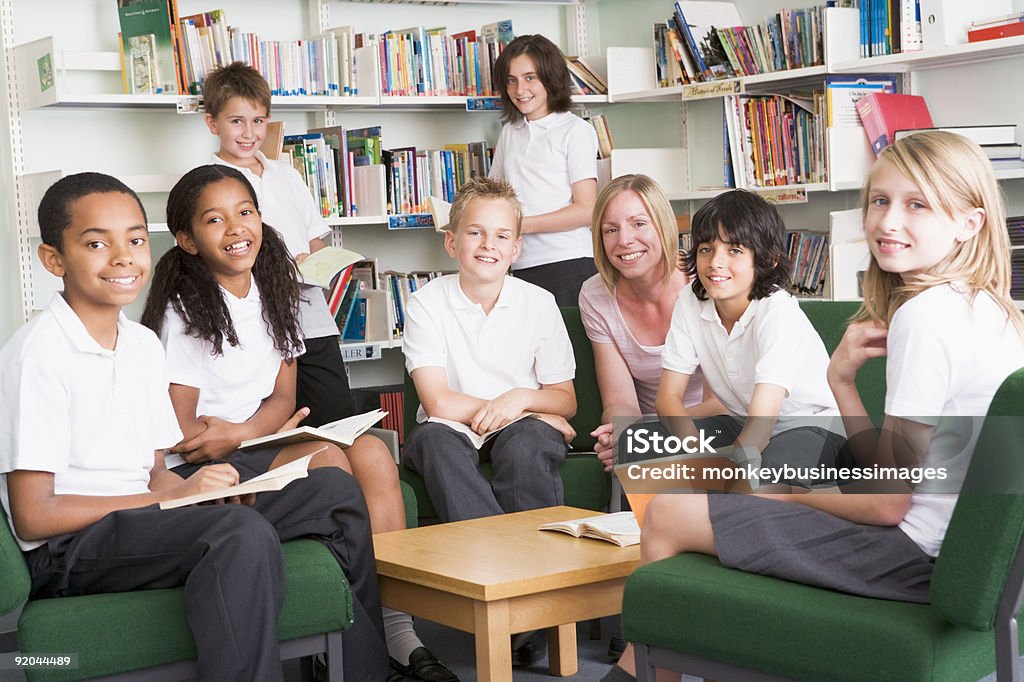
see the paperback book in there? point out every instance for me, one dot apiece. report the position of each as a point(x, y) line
point(342, 432)
point(620, 528)
point(275, 479)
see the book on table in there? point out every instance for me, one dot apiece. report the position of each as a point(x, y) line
point(275, 479)
point(619, 528)
point(477, 439)
point(342, 432)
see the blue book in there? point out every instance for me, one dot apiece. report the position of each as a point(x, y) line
point(865, 32)
point(688, 37)
point(355, 326)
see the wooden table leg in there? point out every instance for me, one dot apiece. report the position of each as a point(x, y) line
point(562, 650)
point(493, 643)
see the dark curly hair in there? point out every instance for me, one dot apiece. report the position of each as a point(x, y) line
point(184, 282)
point(551, 69)
point(54, 213)
point(749, 220)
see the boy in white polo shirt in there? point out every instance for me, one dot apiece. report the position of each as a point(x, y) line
point(85, 418)
point(483, 349)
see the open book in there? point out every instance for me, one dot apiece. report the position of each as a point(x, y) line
point(275, 479)
point(342, 432)
point(620, 528)
point(440, 210)
point(320, 267)
point(477, 439)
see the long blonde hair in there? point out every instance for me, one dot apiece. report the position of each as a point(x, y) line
point(658, 208)
point(955, 176)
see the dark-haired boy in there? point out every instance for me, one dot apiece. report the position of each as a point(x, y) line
point(85, 416)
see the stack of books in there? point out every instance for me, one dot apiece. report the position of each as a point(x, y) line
point(889, 27)
point(1002, 26)
point(808, 256)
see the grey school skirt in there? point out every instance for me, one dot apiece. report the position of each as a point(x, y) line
point(809, 546)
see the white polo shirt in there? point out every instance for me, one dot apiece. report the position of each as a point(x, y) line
point(542, 159)
point(91, 416)
point(522, 343)
point(231, 386)
point(288, 207)
point(946, 358)
point(772, 343)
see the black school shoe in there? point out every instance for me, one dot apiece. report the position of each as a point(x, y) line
point(423, 666)
point(531, 651)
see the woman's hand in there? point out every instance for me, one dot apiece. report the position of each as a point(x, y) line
point(605, 446)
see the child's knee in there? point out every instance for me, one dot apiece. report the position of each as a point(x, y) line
point(333, 456)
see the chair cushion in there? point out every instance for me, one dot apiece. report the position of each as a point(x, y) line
point(690, 603)
point(586, 484)
point(113, 633)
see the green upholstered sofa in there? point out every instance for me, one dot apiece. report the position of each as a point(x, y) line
point(690, 614)
point(586, 484)
point(143, 635)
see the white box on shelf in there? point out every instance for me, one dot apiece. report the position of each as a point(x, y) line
point(945, 22)
point(850, 157)
point(667, 166)
point(37, 63)
point(630, 69)
point(842, 35)
point(849, 256)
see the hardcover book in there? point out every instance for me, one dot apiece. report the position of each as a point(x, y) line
point(146, 29)
point(884, 114)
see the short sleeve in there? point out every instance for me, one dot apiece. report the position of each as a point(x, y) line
point(35, 420)
point(680, 354)
point(555, 361)
point(786, 339)
point(594, 323)
point(185, 354)
point(422, 341)
point(581, 152)
point(919, 366)
point(498, 160)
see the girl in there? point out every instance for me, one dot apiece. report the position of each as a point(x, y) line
point(758, 351)
point(225, 303)
point(627, 307)
point(549, 155)
point(937, 303)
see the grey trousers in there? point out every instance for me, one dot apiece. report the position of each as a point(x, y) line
point(526, 457)
point(228, 557)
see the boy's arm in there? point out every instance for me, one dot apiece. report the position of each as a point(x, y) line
point(208, 438)
point(160, 477)
point(765, 404)
point(440, 401)
point(39, 514)
point(558, 399)
point(669, 403)
point(579, 213)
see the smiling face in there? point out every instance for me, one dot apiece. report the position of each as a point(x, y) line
point(227, 232)
point(241, 126)
point(525, 89)
point(104, 257)
point(484, 242)
point(727, 272)
point(631, 240)
point(906, 234)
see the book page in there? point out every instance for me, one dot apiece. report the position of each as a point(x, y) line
point(477, 439)
point(342, 432)
point(619, 528)
point(320, 268)
point(275, 479)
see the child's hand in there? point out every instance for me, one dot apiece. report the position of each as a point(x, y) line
point(559, 423)
point(219, 439)
point(861, 341)
point(500, 411)
point(605, 446)
point(296, 419)
point(299, 257)
point(213, 477)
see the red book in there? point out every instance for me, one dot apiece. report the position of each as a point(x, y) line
point(1015, 28)
point(883, 114)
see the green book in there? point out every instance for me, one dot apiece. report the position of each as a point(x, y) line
point(145, 37)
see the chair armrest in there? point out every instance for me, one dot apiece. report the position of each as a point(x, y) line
point(390, 439)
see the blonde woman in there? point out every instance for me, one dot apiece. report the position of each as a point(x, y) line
point(627, 307)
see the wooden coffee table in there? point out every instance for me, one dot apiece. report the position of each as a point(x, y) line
point(498, 576)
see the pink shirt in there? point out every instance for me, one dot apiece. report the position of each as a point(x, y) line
point(604, 324)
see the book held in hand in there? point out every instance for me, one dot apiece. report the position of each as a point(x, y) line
point(620, 528)
point(477, 439)
point(275, 479)
point(342, 432)
point(319, 268)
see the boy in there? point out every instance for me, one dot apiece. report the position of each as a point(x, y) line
point(85, 416)
point(237, 101)
point(484, 349)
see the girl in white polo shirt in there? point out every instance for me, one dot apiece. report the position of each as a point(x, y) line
point(937, 303)
point(549, 156)
point(225, 303)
